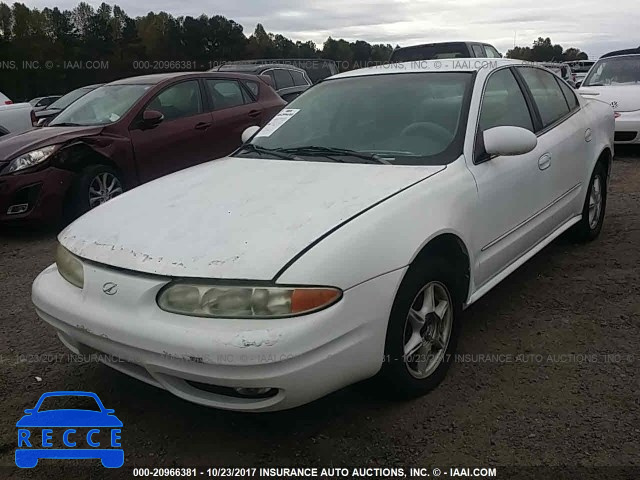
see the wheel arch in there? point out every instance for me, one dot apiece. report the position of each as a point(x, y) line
point(453, 248)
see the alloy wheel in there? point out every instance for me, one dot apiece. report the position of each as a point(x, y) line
point(428, 330)
point(103, 188)
point(595, 202)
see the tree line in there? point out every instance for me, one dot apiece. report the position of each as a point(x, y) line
point(51, 51)
point(543, 50)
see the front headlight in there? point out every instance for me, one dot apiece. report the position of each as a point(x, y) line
point(228, 301)
point(70, 267)
point(30, 159)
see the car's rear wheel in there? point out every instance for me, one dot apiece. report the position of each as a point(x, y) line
point(423, 329)
point(96, 184)
point(594, 207)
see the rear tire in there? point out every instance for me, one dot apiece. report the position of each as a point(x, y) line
point(95, 185)
point(594, 207)
point(423, 329)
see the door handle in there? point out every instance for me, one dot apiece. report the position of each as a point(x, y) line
point(544, 161)
point(202, 125)
point(254, 113)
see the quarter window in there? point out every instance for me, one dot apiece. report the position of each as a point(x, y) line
point(569, 95)
point(298, 78)
point(546, 93)
point(503, 103)
point(226, 94)
point(477, 51)
point(253, 87)
point(179, 101)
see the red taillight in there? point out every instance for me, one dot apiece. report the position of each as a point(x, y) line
point(8, 102)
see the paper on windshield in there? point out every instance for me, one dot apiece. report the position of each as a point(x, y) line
point(276, 122)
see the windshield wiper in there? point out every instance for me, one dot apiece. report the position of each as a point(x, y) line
point(328, 151)
point(251, 147)
point(66, 124)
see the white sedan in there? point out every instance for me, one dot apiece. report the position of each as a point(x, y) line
point(616, 81)
point(341, 242)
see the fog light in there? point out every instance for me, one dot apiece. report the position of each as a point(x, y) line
point(253, 392)
point(16, 209)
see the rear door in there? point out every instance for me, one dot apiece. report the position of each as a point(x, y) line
point(181, 139)
point(233, 108)
point(564, 136)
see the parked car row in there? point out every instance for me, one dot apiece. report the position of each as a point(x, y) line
point(341, 241)
point(114, 137)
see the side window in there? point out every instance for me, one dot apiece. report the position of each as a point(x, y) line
point(225, 94)
point(546, 93)
point(503, 103)
point(179, 101)
point(491, 52)
point(478, 51)
point(253, 87)
point(283, 79)
point(298, 78)
point(569, 95)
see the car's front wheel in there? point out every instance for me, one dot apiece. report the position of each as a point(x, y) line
point(95, 185)
point(423, 329)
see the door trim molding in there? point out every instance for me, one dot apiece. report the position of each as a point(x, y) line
point(531, 218)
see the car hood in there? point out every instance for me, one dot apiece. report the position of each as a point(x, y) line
point(623, 98)
point(69, 418)
point(233, 218)
point(13, 145)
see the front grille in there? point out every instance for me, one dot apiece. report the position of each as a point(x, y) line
point(625, 136)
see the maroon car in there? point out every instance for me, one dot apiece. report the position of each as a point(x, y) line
point(126, 133)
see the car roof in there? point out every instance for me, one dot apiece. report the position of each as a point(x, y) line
point(443, 65)
point(256, 67)
point(157, 78)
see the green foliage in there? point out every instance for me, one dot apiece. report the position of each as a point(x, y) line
point(544, 51)
point(61, 42)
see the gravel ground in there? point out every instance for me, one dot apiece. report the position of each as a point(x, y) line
point(547, 375)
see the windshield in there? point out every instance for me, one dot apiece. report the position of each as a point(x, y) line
point(403, 119)
point(430, 52)
point(614, 71)
point(102, 106)
point(66, 100)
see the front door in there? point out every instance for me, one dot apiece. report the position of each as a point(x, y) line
point(180, 140)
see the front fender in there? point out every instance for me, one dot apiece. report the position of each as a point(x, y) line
point(389, 236)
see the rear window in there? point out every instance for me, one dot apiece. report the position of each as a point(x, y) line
point(430, 52)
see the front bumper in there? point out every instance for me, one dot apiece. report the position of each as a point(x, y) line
point(42, 193)
point(628, 128)
point(303, 358)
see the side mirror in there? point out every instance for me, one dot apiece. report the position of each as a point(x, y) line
point(109, 411)
point(249, 133)
point(152, 118)
point(509, 141)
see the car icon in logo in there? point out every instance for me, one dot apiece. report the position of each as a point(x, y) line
point(110, 288)
point(69, 433)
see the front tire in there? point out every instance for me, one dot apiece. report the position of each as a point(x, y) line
point(595, 204)
point(423, 329)
point(95, 185)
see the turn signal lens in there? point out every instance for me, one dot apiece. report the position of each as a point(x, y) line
point(70, 267)
point(226, 301)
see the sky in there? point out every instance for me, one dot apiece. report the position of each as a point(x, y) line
point(593, 26)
